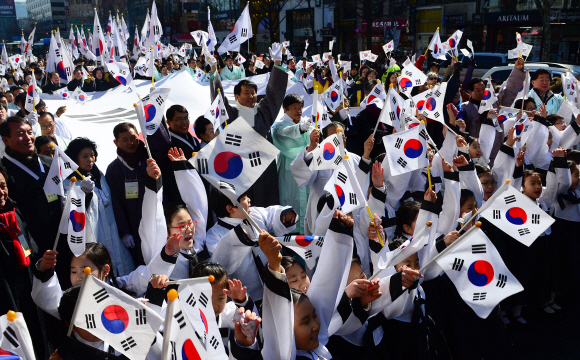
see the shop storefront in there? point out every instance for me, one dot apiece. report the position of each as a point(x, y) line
point(502, 26)
point(298, 29)
point(429, 19)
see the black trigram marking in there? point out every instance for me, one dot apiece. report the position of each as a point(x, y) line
point(90, 320)
point(424, 134)
point(342, 177)
point(336, 142)
point(76, 239)
point(392, 116)
point(338, 160)
point(159, 100)
point(510, 199)
point(226, 185)
point(408, 73)
point(308, 254)
point(150, 127)
point(191, 300)
point(497, 214)
point(180, 319)
point(398, 143)
point(523, 231)
point(437, 93)
point(203, 299)
point(173, 352)
point(535, 219)
point(67, 165)
point(377, 90)
point(255, 159)
point(244, 32)
point(140, 316)
point(101, 295)
point(76, 202)
point(287, 238)
point(128, 343)
point(353, 200)
point(233, 39)
point(320, 241)
point(394, 101)
point(478, 249)
point(202, 166)
point(10, 335)
point(458, 264)
point(418, 82)
point(402, 162)
point(436, 114)
point(235, 140)
point(318, 160)
point(479, 296)
point(502, 280)
point(56, 180)
point(214, 342)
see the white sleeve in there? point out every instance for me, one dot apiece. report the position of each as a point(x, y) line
point(450, 212)
point(504, 164)
point(138, 280)
point(449, 147)
point(193, 194)
point(271, 218)
point(537, 143)
point(469, 180)
point(570, 136)
point(277, 317)
point(362, 172)
point(62, 129)
point(333, 71)
point(329, 280)
point(152, 229)
point(391, 287)
point(302, 173)
point(46, 291)
point(558, 181)
point(396, 185)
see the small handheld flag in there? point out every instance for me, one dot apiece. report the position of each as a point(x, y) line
point(407, 150)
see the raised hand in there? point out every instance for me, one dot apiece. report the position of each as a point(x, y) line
point(153, 169)
point(48, 260)
point(271, 248)
point(378, 175)
point(237, 291)
point(246, 326)
point(176, 154)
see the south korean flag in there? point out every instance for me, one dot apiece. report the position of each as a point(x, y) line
point(407, 150)
point(217, 113)
point(410, 78)
point(328, 154)
point(333, 96)
point(179, 339)
point(61, 168)
point(516, 215)
point(116, 318)
point(523, 130)
point(506, 115)
point(392, 109)
point(306, 246)
point(195, 299)
point(151, 110)
point(433, 106)
point(478, 272)
point(241, 59)
point(377, 96)
point(14, 336)
point(488, 98)
point(77, 224)
point(345, 189)
point(235, 159)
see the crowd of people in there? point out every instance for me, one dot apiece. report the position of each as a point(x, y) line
point(155, 219)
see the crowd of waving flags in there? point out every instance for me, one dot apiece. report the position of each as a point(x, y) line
point(238, 156)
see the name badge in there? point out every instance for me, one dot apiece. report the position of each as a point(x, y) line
point(131, 190)
point(50, 196)
point(24, 244)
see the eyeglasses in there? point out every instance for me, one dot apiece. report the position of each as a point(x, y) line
point(489, 184)
point(181, 119)
point(47, 127)
point(191, 225)
point(559, 123)
point(432, 78)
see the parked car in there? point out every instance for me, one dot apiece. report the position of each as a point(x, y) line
point(502, 72)
point(485, 61)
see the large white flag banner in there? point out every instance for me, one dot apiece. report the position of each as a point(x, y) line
point(116, 318)
point(235, 159)
point(479, 273)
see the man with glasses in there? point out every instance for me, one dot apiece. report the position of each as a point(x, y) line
point(48, 128)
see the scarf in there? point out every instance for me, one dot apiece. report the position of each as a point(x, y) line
point(13, 230)
point(135, 158)
point(30, 161)
point(475, 102)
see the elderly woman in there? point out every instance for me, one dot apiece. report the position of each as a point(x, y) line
point(98, 203)
point(98, 82)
